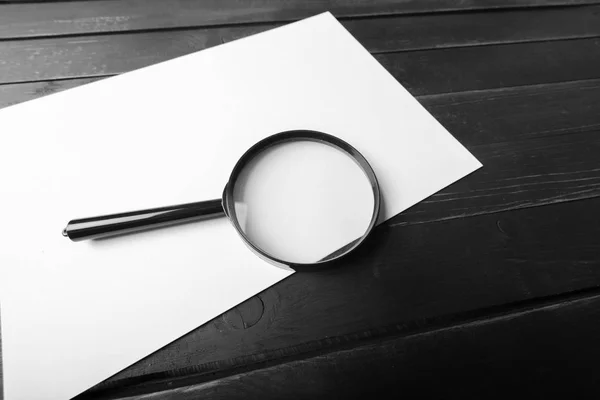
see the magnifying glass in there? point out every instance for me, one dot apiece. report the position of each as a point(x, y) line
point(298, 198)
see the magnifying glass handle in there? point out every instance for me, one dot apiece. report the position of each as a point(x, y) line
point(134, 221)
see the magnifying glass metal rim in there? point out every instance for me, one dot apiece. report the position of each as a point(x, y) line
point(105, 226)
point(287, 137)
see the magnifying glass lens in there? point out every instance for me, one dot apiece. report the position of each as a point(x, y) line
point(302, 201)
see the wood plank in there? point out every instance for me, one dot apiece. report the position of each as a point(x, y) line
point(498, 127)
point(402, 277)
point(517, 175)
point(18, 93)
point(475, 28)
point(72, 18)
point(488, 67)
point(523, 112)
point(546, 351)
point(423, 71)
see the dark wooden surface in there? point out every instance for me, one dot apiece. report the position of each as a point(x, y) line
point(528, 351)
point(489, 288)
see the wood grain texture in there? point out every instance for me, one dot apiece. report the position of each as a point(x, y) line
point(528, 139)
point(422, 72)
point(546, 351)
point(517, 133)
point(73, 18)
point(59, 58)
point(18, 93)
point(519, 153)
point(496, 81)
point(522, 177)
point(402, 277)
point(524, 112)
point(489, 67)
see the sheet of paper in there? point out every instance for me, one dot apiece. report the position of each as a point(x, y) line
point(74, 314)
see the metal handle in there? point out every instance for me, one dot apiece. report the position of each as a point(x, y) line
point(117, 224)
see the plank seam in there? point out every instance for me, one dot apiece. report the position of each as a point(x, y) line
point(542, 203)
point(375, 53)
point(195, 375)
point(503, 89)
point(279, 22)
point(491, 43)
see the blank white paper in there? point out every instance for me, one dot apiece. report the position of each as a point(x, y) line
point(75, 313)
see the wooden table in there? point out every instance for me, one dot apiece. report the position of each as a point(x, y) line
point(488, 288)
